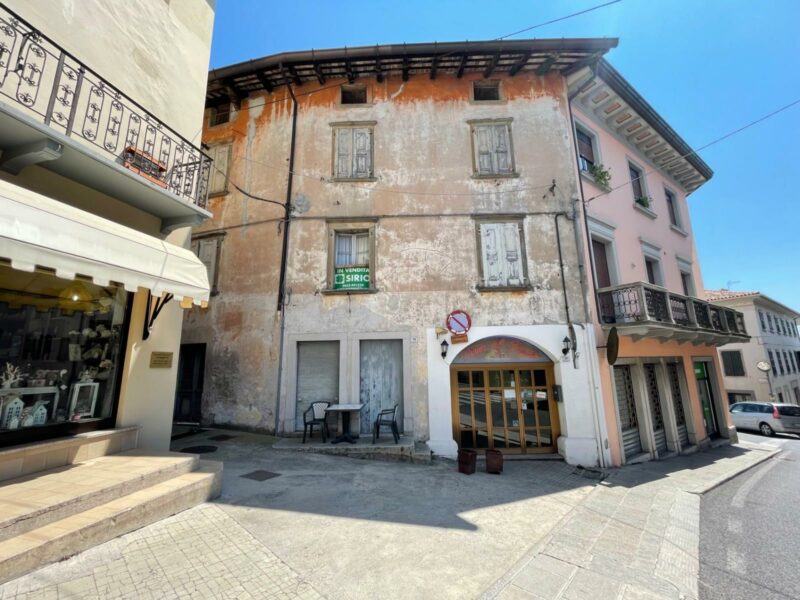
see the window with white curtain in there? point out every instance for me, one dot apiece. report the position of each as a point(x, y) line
point(352, 261)
point(501, 254)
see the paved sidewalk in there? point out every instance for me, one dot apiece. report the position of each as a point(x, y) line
point(636, 537)
point(334, 527)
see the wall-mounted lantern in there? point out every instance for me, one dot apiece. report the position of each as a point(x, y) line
point(566, 346)
point(445, 346)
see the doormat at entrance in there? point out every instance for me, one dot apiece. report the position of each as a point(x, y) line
point(222, 437)
point(199, 449)
point(260, 475)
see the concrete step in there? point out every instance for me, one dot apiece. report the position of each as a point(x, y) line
point(63, 538)
point(27, 459)
point(32, 501)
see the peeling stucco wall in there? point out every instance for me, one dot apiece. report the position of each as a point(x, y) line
point(426, 255)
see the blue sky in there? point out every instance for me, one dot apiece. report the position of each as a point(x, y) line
point(708, 67)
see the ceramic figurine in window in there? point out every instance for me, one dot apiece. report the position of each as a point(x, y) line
point(9, 376)
point(12, 413)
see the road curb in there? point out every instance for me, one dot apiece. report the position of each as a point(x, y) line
point(767, 455)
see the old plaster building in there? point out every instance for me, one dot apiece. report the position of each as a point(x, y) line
point(774, 340)
point(657, 337)
point(421, 179)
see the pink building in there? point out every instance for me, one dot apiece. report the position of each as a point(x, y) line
point(659, 372)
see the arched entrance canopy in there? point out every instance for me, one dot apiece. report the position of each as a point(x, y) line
point(500, 350)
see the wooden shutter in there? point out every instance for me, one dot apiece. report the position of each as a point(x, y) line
point(502, 149)
point(636, 182)
point(220, 155)
point(501, 255)
point(344, 152)
point(207, 253)
point(602, 271)
point(483, 149)
point(585, 148)
point(362, 160)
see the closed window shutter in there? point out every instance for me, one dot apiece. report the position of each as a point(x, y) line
point(501, 149)
point(585, 147)
point(207, 253)
point(362, 142)
point(636, 182)
point(220, 155)
point(344, 152)
point(483, 149)
point(501, 255)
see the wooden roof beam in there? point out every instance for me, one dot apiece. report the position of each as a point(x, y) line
point(294, 76)
point(461, 66)
point(487, 72)
point(517, 66)
point(264, 81)
point(235, 98)
point(406, 67)
point(378, 69)
point(348, 69)
point(434, 66)
point(320, 75)
point(548, 63)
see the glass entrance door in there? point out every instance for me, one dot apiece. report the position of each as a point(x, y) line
point(706, 398)
point(508, 408)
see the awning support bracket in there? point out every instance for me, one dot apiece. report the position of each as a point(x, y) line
point(154, 308)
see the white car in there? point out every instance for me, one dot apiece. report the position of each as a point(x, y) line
point(767, 417)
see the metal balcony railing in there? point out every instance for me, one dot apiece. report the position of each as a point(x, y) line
point(638, 303)
point(49, 84)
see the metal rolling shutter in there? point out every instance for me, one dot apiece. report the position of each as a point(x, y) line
point(628, 422)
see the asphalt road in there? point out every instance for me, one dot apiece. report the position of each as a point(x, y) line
point(750, 530)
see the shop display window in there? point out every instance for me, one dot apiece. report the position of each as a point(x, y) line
point(61, 349)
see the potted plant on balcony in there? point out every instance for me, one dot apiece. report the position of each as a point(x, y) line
point(643, 201)
point(601, 175)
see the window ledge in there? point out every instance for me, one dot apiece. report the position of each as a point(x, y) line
point(590, 178)
point(353, 179)
point(494, 175)
point(488, 102)
point(332, 292)
point(504, 288)
point(645, 210)
point(217, 194)
point(679, 230)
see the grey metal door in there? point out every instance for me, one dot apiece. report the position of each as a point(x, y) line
point(628, 422)
point(380, 380)
point(654, 399)
point(317, 376)
point(673, 375)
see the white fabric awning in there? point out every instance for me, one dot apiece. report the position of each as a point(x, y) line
point(37, 231)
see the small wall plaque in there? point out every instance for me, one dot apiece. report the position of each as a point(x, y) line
point(161, 360)
point(459, 338)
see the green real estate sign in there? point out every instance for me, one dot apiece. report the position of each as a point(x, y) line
point(351, 278)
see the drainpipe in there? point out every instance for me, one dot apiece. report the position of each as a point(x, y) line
point(582, 200)
point(284, 257)
point(592, 362)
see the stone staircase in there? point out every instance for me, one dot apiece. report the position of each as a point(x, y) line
point(60, 497)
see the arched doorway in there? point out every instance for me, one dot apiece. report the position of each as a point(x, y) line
point(502, 397)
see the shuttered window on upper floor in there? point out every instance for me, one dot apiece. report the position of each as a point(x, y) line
point(221, 161)
point(732, 363)
point(352, 151)
point(493, 153)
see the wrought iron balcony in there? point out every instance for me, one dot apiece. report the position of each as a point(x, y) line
point(644, 310)
point(71, 107)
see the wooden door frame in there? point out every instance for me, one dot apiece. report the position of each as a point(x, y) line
point(555, 421)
